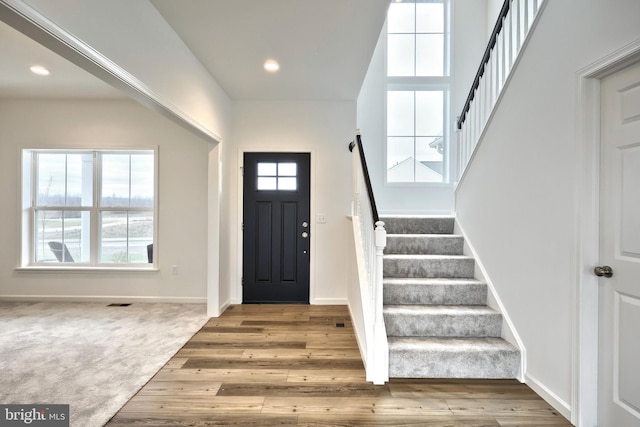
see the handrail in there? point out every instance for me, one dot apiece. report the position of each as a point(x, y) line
point(367, 178)
point(370, 239)
point(485, 58)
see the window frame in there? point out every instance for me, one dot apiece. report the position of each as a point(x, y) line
point(29, 207)
point(422, 83)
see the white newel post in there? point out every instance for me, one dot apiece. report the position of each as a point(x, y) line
point(381, 352)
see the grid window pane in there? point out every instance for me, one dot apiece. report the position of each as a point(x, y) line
point(287, 169)
point(115, 180)
point(400, 159)
point(430, 18)
point(267, 169)
point(401, 18)
point(400, 113)
point(267, 183)
point(62, 236)
point(287, 183)
point(64, 179)
point(142, 180)
point(429, 113)
point(429, 152)
point(124, 236)
point(401, 55)
point(429, 54)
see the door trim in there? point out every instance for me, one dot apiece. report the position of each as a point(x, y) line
point(237, 298)
point(587, 231)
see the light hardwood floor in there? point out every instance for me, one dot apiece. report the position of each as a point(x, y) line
point(267, 365)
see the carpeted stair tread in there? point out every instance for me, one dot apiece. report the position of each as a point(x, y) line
point(428, 266)
point(418, 224)
point(432, 357)
point(434, 291)
point(442, 321)
point(441, 244)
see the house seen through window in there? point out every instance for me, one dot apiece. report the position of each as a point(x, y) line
point(88, 208)
point(417, 91)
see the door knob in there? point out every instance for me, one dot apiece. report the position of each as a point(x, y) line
point(605, 271)
point(305, 234)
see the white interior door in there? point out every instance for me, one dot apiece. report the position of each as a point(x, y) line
point(619, 298)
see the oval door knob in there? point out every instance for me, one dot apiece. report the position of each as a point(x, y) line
point(305, 234)
point(605, 271)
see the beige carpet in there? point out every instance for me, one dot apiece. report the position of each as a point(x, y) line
point(88, 355)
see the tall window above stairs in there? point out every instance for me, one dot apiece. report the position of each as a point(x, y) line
point(417, 91)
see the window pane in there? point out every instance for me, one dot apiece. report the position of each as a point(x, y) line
point(65, 179)
point(287, 183)
point(267, 183)
point(287, 169)
point(267, 169)
point(401, 18)
point(142, 176)
point(62, 236)
point(124, 236)
point(430, 55)
point(429, 113)
point(430, 18)
point(401, 55)
point(51, 179)
point(400, 159)
point(400, 113)
point(429, 152)
point(115, 180)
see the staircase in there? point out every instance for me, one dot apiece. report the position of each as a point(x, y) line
point(435, 312)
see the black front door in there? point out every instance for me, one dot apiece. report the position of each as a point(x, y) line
point(276, 228)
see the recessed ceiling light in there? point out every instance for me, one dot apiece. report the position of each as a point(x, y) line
point(271, 66)
point(39, 70)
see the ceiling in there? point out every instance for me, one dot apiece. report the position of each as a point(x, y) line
point(19, 52)
point(323, 47)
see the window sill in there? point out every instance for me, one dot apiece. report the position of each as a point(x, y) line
point(76, 269)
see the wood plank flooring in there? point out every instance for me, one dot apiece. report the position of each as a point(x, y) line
point(262, 365)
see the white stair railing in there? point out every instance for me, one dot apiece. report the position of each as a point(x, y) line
point(516, 20)
point(370, 241)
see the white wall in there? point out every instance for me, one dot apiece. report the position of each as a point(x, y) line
point(468, 42)
point(324, 129)
point(518, 201)
point(182, 211)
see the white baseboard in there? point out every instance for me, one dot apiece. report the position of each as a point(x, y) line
point(109, 299)
point(329, 301)
point(550, 397)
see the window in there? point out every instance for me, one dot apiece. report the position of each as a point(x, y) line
point(89, 208)
point(417, 91)
point(277, 177)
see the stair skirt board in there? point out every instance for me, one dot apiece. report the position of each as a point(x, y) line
point(435, 312)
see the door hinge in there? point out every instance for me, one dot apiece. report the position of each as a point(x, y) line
point(242, 281)
point(243, 226)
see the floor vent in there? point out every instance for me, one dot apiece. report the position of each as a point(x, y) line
point(339, 324)
point(119, 305)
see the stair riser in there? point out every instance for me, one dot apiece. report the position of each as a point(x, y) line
point(422, 245)
point(434, 364)
point(416, 294)
point(484, 325)
point(418, 225)
point(429, 268)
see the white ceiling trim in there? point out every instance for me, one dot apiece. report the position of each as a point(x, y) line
point(30, 22)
